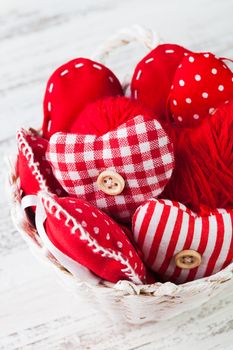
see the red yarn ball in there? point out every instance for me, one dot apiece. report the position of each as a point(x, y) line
point(107, 114)
point(203, 174)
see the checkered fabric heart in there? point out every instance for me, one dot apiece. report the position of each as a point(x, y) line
point(139, 150)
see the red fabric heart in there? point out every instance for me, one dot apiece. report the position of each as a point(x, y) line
point(34, 170)
point(71, 88)
point(91, 238)
point(163, 228)
point(139, 150)
point(201, 83)
point(153, 76)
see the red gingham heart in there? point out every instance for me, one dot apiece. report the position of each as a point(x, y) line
point(139, 150)
point(201, 83)
point(88, 236)
point(71, 88)
point(163, 228)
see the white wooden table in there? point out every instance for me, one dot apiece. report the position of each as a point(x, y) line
point(36, 312)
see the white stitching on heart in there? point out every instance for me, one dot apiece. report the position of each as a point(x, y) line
point(50, 204)
point(27, 151)
point(149, 60)
point(97, 66)
point(64, 72)
point(139, 74)
point(49, 125)
point(79, 65)
point(51, 88)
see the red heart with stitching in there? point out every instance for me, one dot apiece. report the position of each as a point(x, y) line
point(201, 83)
point(138, 153)
point(153, 76)
point(91, 238)
point(34, 170)
point(70, 88)
point(164, 228)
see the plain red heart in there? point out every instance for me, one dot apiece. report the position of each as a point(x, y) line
point(71, 88)
point(34, 170)
point(163, 228)
point(91, 238)
point(201, 83)
point(153, 76)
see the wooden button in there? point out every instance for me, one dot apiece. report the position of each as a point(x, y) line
point(188, 259)
point(110, 182)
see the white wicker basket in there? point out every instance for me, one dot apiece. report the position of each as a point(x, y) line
point(123, 301)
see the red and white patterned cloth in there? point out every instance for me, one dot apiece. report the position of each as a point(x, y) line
point(139, 150)
point(163, 228)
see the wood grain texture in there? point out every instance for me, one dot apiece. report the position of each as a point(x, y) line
point(36, 312)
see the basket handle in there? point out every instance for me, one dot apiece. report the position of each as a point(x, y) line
point(125, 37)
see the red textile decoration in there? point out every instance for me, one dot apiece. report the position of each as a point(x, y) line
point(138, 153)
point(107, 114)
point(34, 170)
point(203, 173)
point(90, 237)
point(71, 88)
point(153, 76)
point(201, 83)
point(162, 229)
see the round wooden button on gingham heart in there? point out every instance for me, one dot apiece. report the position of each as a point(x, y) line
point(110, 182)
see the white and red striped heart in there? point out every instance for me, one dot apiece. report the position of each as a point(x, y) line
point(91, 238)
point(34, 170)
point(163, 228)
point(139, 150)
point(71, 88)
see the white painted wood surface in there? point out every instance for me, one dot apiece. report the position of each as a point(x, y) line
point(36, 312)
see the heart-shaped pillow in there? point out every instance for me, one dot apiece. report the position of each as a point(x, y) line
point(153, 76)
point(181, 246)
point(117, 171)
point(71, 88)
point(34, 170)
point(90, 237)
point(201, 83)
